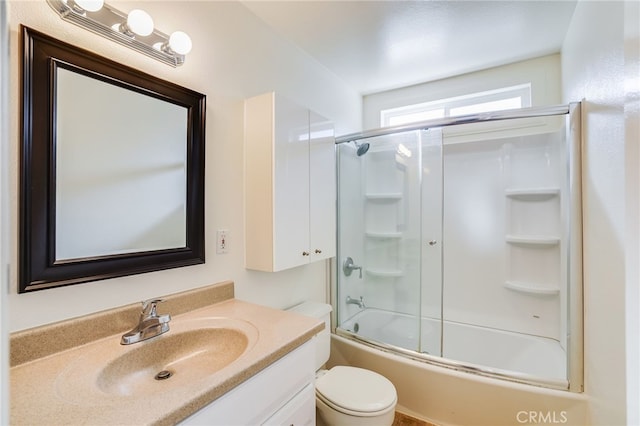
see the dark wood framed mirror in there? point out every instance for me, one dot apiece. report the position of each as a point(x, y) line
point(112, 168)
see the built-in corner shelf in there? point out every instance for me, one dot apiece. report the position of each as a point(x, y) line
point(384, 196)
point(540, 193)
point(383, 235)
point(534, 240)
point(387, 273)
point(531, 288)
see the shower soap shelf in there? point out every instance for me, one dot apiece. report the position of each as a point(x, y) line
point(542, 240)
point(390, 273)
point(529, 288)
point(540, 193)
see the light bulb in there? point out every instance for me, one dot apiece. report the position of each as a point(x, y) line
point(180, 42)
point(90, 5)
point(140, 22)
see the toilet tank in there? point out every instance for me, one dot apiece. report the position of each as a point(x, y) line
point(321, 311)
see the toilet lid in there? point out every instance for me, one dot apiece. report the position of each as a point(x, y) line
point(356, 389)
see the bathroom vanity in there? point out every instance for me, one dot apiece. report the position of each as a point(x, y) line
point(223, 361)
point(281, 394)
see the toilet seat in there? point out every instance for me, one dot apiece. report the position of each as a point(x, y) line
point(356, 391)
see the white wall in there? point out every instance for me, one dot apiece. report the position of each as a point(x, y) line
point(235, 56)
point(543, 73)
point(593, 68)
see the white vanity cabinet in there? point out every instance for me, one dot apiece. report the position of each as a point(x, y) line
point(281, 394)
point(290, 188)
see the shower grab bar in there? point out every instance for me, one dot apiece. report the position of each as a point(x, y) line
point(462, 119)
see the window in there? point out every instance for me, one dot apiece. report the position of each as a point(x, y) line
point(494, 100)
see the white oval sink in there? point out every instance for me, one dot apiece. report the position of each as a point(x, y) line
point(178, 359)
point(189, 352)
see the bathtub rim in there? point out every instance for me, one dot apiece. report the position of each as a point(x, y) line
point(462, 367)
point(447, 413)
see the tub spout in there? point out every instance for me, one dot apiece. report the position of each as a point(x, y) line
point(359, 302)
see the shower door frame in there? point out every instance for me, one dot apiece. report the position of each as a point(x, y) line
point(575, 346)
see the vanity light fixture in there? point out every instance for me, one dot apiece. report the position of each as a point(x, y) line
point(134, 29)
point(138, 22)
point(88, 5)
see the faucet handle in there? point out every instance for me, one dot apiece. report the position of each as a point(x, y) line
point(149, 307)
point(348, 267)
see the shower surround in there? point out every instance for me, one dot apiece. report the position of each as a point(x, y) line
point(468, 235)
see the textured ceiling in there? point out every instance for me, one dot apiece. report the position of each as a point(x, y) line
point(379, 45)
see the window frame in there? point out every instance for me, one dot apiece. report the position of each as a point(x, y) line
point(393, 116)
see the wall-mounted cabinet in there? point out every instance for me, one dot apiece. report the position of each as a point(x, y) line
point(290, 189)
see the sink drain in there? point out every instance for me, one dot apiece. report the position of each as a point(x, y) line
point(164, 375)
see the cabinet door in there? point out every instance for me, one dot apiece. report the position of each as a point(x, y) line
point(284, 391)
point(299, 411)
point(322, 188)
point(291, 185)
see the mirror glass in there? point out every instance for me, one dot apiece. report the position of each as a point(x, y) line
point(111, 168)
point(124, 185)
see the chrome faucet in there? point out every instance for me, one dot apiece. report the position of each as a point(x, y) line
point(150, 324)
point(359, 302)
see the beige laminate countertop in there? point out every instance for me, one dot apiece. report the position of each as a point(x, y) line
point(42, 388)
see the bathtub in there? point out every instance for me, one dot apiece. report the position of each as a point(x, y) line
point(496, 351)
point(468, 387)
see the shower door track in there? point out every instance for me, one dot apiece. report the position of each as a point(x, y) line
point(462, 119)
point(455, 365)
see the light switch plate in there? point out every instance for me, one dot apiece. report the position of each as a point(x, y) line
point(222, 241)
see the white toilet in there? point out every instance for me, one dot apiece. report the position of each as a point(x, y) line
point(347, 395)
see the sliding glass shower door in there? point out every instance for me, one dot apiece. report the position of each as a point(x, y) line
point(461, 245)
point(431, 242)
point(506, 232)
point(390, 231)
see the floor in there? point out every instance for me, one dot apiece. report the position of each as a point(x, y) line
point(402, 419)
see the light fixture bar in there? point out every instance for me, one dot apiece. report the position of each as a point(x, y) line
point(106, 22)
